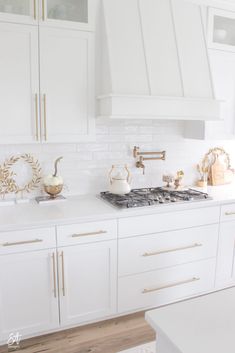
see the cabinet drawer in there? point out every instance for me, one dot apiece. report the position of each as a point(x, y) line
point(168, 221)
point(27, 240)
point(155, 251)
point(228, 212)
point(155, 288)
point(86, 232)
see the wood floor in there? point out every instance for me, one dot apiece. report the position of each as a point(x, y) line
point(105, 337)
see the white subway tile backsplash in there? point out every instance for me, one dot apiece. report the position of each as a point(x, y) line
point(136, 138)
point(85, 166)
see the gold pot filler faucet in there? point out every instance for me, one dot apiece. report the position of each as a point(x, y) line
point(140, 155)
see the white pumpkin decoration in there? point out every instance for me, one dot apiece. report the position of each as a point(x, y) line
point(51, 180)
point(53, 183)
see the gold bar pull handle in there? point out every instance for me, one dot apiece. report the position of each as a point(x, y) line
point(54, 275)
point(45, 115)
point(35, 9)
point(63, 276)
point(23, 242)
point(88, 234)
point(196, 245)
point(36, 116)
point(43, 10)
point(150, 290)
point(229, 213)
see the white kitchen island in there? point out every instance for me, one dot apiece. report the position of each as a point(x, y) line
point(201, 325)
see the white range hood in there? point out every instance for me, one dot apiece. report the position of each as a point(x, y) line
point(154, 62)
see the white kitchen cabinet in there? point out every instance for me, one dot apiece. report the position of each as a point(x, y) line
point(66, 84)
point(76, 14)
point(63, 111)
point(28, 293)
point(19, 11)
point(225, 274)
point(19, 83)
point(155, 251)
point(155, 288)
point(162, 222)
point(221, 26)
point(223, 72)
point(87, 277)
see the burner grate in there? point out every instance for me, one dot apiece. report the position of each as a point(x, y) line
point(153, 196)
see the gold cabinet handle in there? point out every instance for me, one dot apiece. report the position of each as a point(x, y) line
point(88, 234)
point(23, 242)
point(34, 9)
point(36, 117)
point(229, 213)
point(150, 290)
point(54, 274)
point(43, 10)
point(196, 245)
point(63, 277)
point(45, 115)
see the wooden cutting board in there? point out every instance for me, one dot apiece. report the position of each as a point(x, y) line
point(220, 174)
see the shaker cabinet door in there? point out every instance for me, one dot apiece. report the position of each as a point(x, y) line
point(28, 294)
point(225, 274)
point(19, 83)
point(66, 71)
point(76, 14)
point(87, 277)
point(19, 11)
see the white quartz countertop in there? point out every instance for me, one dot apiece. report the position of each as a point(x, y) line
point(91, 208)
point(200, 325)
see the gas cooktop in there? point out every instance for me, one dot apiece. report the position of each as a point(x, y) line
point(153, 196)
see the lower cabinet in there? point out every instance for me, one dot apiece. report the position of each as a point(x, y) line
point(28, 297)
point(155, 288)
point(46, 289)
point(225, 274)
point(87, 280)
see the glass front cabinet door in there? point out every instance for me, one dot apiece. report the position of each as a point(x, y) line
point(67, 13)
point(221, 27)
point(19, 11)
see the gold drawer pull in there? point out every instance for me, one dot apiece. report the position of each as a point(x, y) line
point(150, 290)
point(229, 213)
point(63, 275)
point(43, 10)
point(88, 234)
point(23, 242)
point(45, 115)
point(54, 274)
point(34, 10)
point(196, 245)
point(36, 117)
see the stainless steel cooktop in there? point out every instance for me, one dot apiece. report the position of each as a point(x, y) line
point(153, 196)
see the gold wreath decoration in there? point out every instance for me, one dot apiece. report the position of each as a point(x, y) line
point(7, 180)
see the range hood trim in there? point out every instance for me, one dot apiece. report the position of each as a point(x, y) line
point(118, 106)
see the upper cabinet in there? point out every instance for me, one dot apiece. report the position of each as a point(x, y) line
point(77, 14)
point(66, 85)
point(47, 71)
point(19, 11)
point(19, 83)
point(221, 29)
point(68, 13)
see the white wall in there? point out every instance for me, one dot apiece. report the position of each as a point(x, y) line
point(86, 165)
